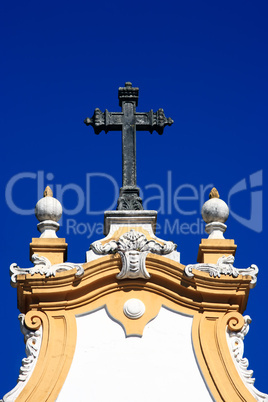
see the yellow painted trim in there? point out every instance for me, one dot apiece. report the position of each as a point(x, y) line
point(214, 358)
point(210, 250)
point(53, 249)
point(213, 302)
point(114, 302)
point(55, 357)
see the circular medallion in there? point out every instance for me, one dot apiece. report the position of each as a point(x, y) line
point(134, 308)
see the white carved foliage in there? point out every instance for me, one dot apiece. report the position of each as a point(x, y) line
point(133, 248)
point(224, 266)
point(43, 266)
point(236, 345)
point(33, 341)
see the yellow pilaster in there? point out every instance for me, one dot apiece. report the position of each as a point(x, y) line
point(210, 250)
point(55, 249)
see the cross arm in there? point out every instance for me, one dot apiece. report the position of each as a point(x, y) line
point(107, 121)
point(113, 121)
point(152, 121)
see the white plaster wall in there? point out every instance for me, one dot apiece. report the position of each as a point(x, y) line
point(159, 366)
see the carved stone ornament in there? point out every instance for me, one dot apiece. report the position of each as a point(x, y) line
point(236, 345)
point(133, 248)
point(33, 341)
point(134, 309)
point(224, 266)
point(43, 266)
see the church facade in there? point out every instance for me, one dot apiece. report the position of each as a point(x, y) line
point(132, 322)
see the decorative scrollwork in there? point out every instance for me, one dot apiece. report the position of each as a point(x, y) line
point(161, 121)
point(130, 203)
point(43, 266)
point(133, 248)
point(33, 320)
point(236, 345)
point(224, 266)
point(235, 321)
point(33, 340)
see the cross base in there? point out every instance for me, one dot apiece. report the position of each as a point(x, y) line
point(129, 199)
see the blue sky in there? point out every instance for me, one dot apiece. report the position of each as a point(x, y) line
point(204, 63)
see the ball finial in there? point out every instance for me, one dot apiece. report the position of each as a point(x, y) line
point(48, 211)
point(215, 213)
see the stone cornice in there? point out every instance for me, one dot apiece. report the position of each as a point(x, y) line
point(213, 302)
point(168, 279)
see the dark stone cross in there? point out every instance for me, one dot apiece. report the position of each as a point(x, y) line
point(128, 121)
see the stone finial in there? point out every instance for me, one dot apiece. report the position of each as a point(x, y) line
point(48, 211)
point(48, 192)
point(214, 193)
point(215, 213)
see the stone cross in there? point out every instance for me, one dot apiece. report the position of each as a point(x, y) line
point(128, 121)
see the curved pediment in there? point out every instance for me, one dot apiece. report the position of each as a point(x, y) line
point(167, 279)
point(135, 278)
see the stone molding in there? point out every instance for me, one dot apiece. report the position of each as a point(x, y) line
point(214, 357)
point(236, 344)
point(33, 340)
point(224, 266)
point(133, 248)
point(115, 219)
point(43, 266)
point(56, 301)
